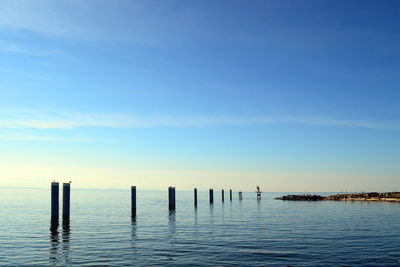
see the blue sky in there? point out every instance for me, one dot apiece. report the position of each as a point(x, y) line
point(291, 95)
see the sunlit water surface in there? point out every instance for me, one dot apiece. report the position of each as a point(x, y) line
point(238, 233)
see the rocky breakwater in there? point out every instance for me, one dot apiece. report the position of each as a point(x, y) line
point(372, 196)
point(307, 197)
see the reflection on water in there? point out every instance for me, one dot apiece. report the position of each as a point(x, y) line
point(223, 211)
point(170, 255)
point(212, 210)
point(55, 255)
point(133, 228)
point(65, 240)
point(172, 224)
point(212, 216)
point(53, 240)
point(134, 238)
point(195, 216)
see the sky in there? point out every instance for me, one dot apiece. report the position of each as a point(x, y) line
point(290, 95)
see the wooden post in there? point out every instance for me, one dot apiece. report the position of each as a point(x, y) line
point(66, 200)
point(230, 194)
point(54, 199)
point(222, 195)
point(240, 196)
point(133, 201)
point(211, 196)
point(195, 197)
point(174, 198)
point(171, 198)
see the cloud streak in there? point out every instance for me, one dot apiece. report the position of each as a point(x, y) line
point(92, 19)
point(20, 137)
point(17, 48)
point(70, 121)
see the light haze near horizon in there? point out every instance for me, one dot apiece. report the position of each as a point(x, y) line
point(288, 95)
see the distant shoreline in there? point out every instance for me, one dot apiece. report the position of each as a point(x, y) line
point(372, 197)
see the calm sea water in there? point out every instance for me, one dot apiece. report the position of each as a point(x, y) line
point(247, 233)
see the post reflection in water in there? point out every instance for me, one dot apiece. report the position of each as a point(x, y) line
point(195, 216)
point(172, 223)
point(196, 224)
point(53, 239)
point(230, 208)
point(57, 256)
point(133, 228)
point(65, 240)
point(223, 212)
point(172, 234)
point(134, 238)
point(211, 218)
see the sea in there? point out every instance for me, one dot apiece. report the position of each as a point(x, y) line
point(249, 232)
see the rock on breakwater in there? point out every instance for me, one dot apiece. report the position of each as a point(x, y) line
point(306, 197)
point(372, 196)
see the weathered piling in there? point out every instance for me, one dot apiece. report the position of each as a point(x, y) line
point(195, 197)
point(66, 200)
point(174, 197)
point(230, 194)
point(211, 196)
point(240, 196)
point(171, 198)
point(222, 195)
point(54, 199)
point(133, 201)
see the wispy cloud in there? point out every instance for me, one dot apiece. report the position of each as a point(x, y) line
point(17, 48)
point(329, 121)
point(37, 120)
point(69, 121)
point(147, 22)
point(24, 137)
point(91, 20)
